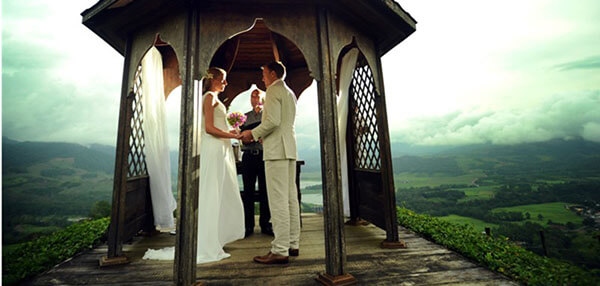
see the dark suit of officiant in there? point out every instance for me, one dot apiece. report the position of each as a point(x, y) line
point(254, 168)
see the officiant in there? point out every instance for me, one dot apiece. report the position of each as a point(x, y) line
point(253, 169)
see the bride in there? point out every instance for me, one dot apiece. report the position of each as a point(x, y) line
point(220, 209)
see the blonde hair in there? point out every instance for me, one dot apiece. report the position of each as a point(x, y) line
point(211, 74)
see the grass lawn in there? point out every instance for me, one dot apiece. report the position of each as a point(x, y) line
point(479, 225)
point(556, 181)
point(550, 211)
point(407, 180)
point(479, 193)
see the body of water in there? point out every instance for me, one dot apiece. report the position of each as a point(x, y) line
point(316, 199)
point(308, 183)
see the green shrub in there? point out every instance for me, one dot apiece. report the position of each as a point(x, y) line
point(100, 209)
point(497, 253)
point(33, 257)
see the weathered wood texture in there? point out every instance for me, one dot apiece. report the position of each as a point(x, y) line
point(170, 29)
point(171, 76)
point(342, 34)
point(115, 231)
point(187, 183)
point(138, 207)
point(335, 248)
point(386, 159)
point(423, 263)
point(243, 55)
point(385, 20)
point(283, 20)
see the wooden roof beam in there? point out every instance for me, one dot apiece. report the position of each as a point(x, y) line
point(279, 49)
point(274, 48)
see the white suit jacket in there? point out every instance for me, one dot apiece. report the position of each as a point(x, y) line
point(277, 126)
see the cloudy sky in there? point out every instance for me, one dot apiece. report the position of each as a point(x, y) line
point(500, 72)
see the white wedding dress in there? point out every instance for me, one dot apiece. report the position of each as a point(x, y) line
point(220, 208)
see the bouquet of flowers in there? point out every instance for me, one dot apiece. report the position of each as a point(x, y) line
point(236, 119)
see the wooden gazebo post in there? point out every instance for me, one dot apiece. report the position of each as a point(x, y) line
point(184, 268)
point(335, 245)
point(392, 239)
point(115, 231)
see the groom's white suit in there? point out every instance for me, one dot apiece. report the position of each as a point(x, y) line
point(280, 154)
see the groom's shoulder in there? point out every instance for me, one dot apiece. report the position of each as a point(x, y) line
point(284, 87)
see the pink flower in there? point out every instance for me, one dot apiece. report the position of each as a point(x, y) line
point(236, 119)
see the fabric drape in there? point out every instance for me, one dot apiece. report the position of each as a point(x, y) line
point(346, 71)
point(156, 140)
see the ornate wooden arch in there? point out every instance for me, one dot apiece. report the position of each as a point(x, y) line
point(243, 54)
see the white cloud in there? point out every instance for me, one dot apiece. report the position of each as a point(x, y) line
point(474, 71)
point(560, 116)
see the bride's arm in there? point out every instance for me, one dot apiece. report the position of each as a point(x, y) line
point(208, 109)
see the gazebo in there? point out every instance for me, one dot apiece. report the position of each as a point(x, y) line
point(337, 43)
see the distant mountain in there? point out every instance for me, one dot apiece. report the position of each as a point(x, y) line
point(21, 155)
point(107, 149)
point(554, 156)
point(559, 148)
point(405, 149)
point(427, 165)
point(46, 183)
point(6, 140)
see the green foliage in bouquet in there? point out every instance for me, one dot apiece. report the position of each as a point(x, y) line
point(497, 253)
point(33, 257)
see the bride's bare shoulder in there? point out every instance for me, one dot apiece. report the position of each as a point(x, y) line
point(210, 98)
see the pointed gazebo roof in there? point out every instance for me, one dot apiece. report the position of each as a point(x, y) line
point(112, 20)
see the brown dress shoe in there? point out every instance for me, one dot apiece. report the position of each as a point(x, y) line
point(271, 258)
point(294, 252)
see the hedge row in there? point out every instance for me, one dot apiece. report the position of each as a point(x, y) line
point(33, 257)
point(497, 253)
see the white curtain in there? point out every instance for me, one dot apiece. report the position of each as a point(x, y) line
point(346, 71)
point(156, 140)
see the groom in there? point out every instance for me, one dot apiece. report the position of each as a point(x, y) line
point(279, 144)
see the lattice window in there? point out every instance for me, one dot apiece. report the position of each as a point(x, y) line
point(136, 158)
point(364, 119)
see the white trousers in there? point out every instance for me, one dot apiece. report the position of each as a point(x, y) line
point(283, 202)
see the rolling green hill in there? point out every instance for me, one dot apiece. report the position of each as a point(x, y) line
point(48, 185)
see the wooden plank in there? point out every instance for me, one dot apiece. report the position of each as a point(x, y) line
point(423, 263)
point(458, 276)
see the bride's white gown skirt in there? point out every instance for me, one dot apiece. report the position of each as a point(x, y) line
point(220, 208)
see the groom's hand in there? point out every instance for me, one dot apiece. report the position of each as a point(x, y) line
point(247, 136)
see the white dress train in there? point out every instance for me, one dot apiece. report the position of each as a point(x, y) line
point(220, 208)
